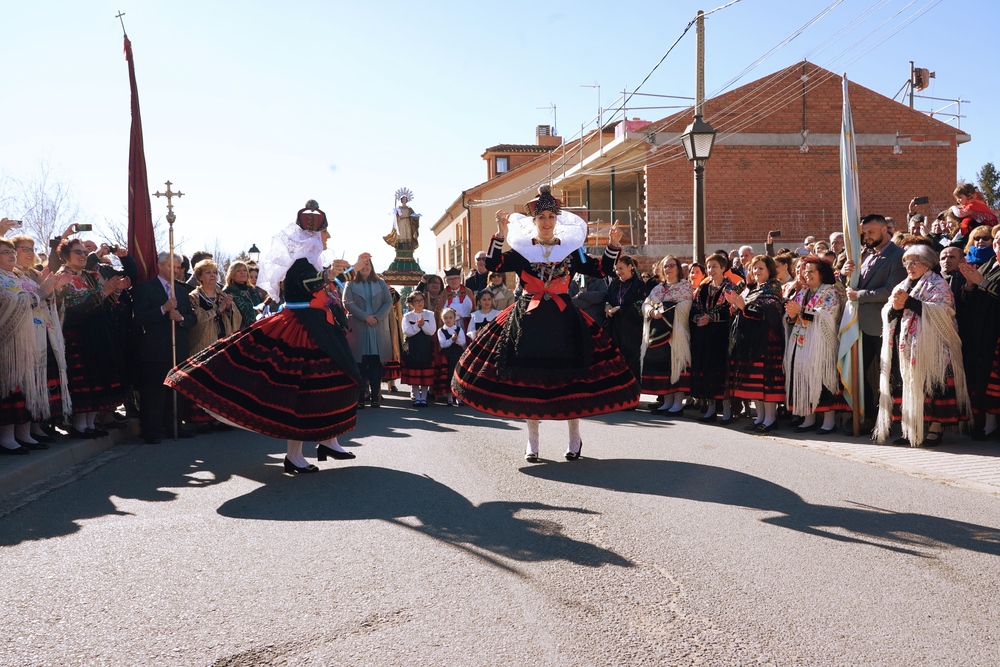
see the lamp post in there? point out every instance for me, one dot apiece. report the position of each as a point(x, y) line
point(698, 140)
point(253, 253)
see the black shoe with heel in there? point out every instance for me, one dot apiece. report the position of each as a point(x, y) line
point(573, 456)
point(293, 469)
point(322, 451)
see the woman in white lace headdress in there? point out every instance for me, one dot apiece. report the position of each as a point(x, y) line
point(292, 375)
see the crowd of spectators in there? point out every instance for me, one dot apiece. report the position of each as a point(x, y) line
point(736, 334)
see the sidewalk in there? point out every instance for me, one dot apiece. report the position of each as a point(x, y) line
point(959, 461)
point(19, 472)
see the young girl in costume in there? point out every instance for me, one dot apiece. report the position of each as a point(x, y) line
point(543, 358)
point(291, 375)
point(418, 356)
point(484, 313)
point(452, 341)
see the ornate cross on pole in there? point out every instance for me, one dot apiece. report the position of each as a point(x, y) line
point(170, 194)
point(119, 16)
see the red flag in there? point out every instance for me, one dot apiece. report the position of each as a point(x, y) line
point(141, 240)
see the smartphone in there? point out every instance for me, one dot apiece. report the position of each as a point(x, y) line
point(84, 227)
point(917, 201)
point(775, 234)
point(16, 224)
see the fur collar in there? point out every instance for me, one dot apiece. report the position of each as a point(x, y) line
point(570, 229)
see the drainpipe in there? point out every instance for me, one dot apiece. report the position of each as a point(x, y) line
point(468, 227)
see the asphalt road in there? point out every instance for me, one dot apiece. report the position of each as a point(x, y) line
point(669, 543)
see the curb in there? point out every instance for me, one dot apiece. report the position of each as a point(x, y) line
point(20, 472)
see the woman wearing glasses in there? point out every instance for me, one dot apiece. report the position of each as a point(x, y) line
point(92, 352)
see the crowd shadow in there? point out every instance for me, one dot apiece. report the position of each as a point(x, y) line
point(363, 493)
point(902, 532)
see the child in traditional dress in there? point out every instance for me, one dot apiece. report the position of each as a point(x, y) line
point(418, 356)
point(452, 341)
point(484, 314)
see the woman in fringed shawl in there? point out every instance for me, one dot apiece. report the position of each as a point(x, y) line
point(812, 317)
point(757, 345)
point(33, 384)
point(709, 326)
point(922, 377)
point(666, 339)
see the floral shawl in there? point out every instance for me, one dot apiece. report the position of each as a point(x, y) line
point(811, 349)
point(662, 299)
point(929, 348)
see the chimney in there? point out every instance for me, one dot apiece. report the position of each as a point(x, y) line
point(544, 136)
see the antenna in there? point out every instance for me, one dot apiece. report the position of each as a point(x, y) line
point(552, 108)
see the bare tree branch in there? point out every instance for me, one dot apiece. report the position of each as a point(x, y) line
point(46, 203)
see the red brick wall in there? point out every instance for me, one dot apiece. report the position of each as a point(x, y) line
point(753, 189)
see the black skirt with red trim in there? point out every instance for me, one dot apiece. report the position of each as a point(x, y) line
point(942, 407)
point(990, 401)
point(13, 409)
point(275, 378)
point(763, 378)
point(92, 367)
point(549, 363)
point(392, 370)
point(656, 371)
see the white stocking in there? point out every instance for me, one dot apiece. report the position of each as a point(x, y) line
point(23, 433)
point(713, 406)
point(727, 409)
point(829, 420)
point(771, 413)
point(91, 419)
point(574, 435)
point(759, 408)
point(7, 437)
point(532, 436)
point(809, 421)
point(295, 454)
point(678, 401)
point(334, 444)
point(36, 429)
point(991, 423)
point(80, 421)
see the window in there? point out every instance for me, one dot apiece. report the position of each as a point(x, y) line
point(502, 165)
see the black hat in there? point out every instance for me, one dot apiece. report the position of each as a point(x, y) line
point(453, 271)
point(544, 202)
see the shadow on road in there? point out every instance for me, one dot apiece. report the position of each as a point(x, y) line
point(902, 532)
point(362, 493)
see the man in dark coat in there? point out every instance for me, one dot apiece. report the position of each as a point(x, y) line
point(155, 310)
point(881, 270)
point(478, 278)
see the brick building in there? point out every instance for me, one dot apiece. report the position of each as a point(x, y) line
point(775, 166)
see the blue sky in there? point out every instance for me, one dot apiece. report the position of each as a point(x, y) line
point(251, 108)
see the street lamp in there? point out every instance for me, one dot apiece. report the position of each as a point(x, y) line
point(253, 253)
point(698, 140)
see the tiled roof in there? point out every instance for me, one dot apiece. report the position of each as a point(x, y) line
point(519, 148)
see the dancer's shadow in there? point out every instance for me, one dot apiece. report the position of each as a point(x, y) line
point(904, 531)
point(364, 493)
point(402, 423)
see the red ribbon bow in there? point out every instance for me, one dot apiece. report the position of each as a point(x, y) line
point(539, 291)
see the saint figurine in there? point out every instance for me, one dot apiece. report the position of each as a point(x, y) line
point(406, 223)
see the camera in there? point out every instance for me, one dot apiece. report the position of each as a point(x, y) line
point(113, 249)
point(16, 224)
point(917, 201)
point(775, 234)
point(84, 227)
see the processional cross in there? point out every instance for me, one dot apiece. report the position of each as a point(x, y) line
point(169, 194)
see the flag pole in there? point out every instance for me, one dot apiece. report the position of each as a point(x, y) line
point(855, 407)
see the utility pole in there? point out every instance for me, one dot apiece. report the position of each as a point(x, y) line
point(699, 169)
point(911, 84)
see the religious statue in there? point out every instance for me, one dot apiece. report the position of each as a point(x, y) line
point(404, 269)
point(406, 223)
